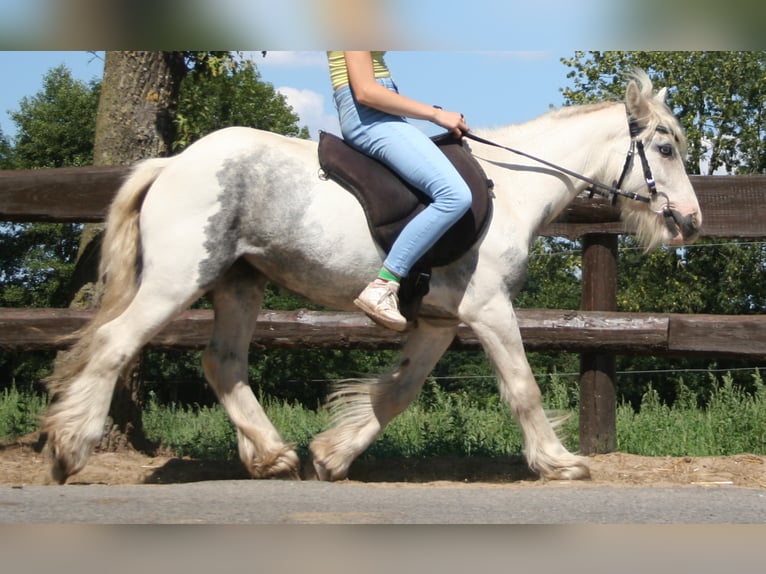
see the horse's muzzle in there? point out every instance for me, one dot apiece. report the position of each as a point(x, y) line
point(687, 226)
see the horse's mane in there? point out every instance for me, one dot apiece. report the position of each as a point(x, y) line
point(659, 112)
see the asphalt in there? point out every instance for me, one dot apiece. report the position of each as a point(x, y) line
point(311, 502)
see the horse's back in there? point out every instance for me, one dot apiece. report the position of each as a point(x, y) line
point(232, 159)
point(238, 139)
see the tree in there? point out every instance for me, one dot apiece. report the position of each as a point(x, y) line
point(6, 161)
point(230, 92)
point(56, 126)
point(719, 98)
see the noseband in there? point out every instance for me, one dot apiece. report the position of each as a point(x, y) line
point(596, 187)
point(638, 144)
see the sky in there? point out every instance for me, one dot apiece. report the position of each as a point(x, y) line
point(491, 88)
point(495, 61)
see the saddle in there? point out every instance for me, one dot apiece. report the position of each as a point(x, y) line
point(390, 203)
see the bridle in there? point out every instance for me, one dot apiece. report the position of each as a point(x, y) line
point(596, 187)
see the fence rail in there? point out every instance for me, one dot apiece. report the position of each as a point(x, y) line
point(732, 207)
point(542, 330)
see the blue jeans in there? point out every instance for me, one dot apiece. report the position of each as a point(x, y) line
point(414, 157)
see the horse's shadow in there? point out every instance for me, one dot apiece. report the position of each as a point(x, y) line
point(414, 470)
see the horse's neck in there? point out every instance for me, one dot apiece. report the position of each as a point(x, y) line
point(582, 143)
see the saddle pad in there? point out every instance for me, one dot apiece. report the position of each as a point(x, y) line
point(390, 203)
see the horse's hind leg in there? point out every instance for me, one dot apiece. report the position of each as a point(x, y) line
point(362, 409)
point(496, 327)
point(236, 300)
point(83, 382)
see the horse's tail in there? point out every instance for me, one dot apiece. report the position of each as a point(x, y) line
point(121, 244)
point(117, 269)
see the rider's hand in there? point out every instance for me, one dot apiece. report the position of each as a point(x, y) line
point(452, 121)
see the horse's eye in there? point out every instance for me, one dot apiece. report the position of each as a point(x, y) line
point(666, 150)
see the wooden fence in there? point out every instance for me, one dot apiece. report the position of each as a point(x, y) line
point(733, 207)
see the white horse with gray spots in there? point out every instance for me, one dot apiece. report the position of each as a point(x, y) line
point(241, 207)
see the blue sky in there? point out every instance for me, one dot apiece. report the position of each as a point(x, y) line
point(490, 88)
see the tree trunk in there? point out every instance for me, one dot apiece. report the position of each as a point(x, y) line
point(139, 94)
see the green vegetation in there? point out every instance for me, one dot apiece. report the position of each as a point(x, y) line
point(19, 412)
point(728, 420)
point(732, 421)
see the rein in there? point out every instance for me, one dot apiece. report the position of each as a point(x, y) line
point(596, 187)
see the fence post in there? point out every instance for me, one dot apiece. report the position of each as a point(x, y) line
point(598, 403)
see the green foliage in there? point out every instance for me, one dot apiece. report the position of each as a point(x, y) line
point(732, 421)
point(553, 275)
point(36, 261)
point(714, 277)
point(719, 98)
point(6, 159)
point(206, 432)
point(231, 93)
point(19, 412)
point(200, 432)
point(727, 420)
point(55, 129)
point(441, 423)
point(56, 126)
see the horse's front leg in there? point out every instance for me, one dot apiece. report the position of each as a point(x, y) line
point(236, 301)
point(495, 324)
point(362, 409)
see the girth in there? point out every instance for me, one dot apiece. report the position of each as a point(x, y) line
point(390, 203)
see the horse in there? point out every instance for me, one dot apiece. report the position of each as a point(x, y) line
point(241, 207)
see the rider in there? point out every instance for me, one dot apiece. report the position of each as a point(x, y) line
point(372, 119)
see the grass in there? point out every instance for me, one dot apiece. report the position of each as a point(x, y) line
point(727, 421)
point(19, 412)
point(731, 422)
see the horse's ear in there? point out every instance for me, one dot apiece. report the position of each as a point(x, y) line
point(661, 95)
point(634, 99)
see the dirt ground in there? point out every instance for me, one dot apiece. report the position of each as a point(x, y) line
point(21, 464)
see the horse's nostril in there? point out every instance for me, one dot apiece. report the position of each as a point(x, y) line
point(691, 226)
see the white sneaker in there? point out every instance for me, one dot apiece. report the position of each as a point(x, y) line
point(379, 300)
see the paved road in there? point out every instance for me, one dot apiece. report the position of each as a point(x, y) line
point(284, 502)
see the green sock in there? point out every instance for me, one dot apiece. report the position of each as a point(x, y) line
point(386, 275)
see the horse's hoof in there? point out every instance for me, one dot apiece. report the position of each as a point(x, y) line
point(324, 473)
point(60, 472)
point(65, 466)
point(574, 472)
point(321, 471)
point(284, 465)
point(66, 461)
